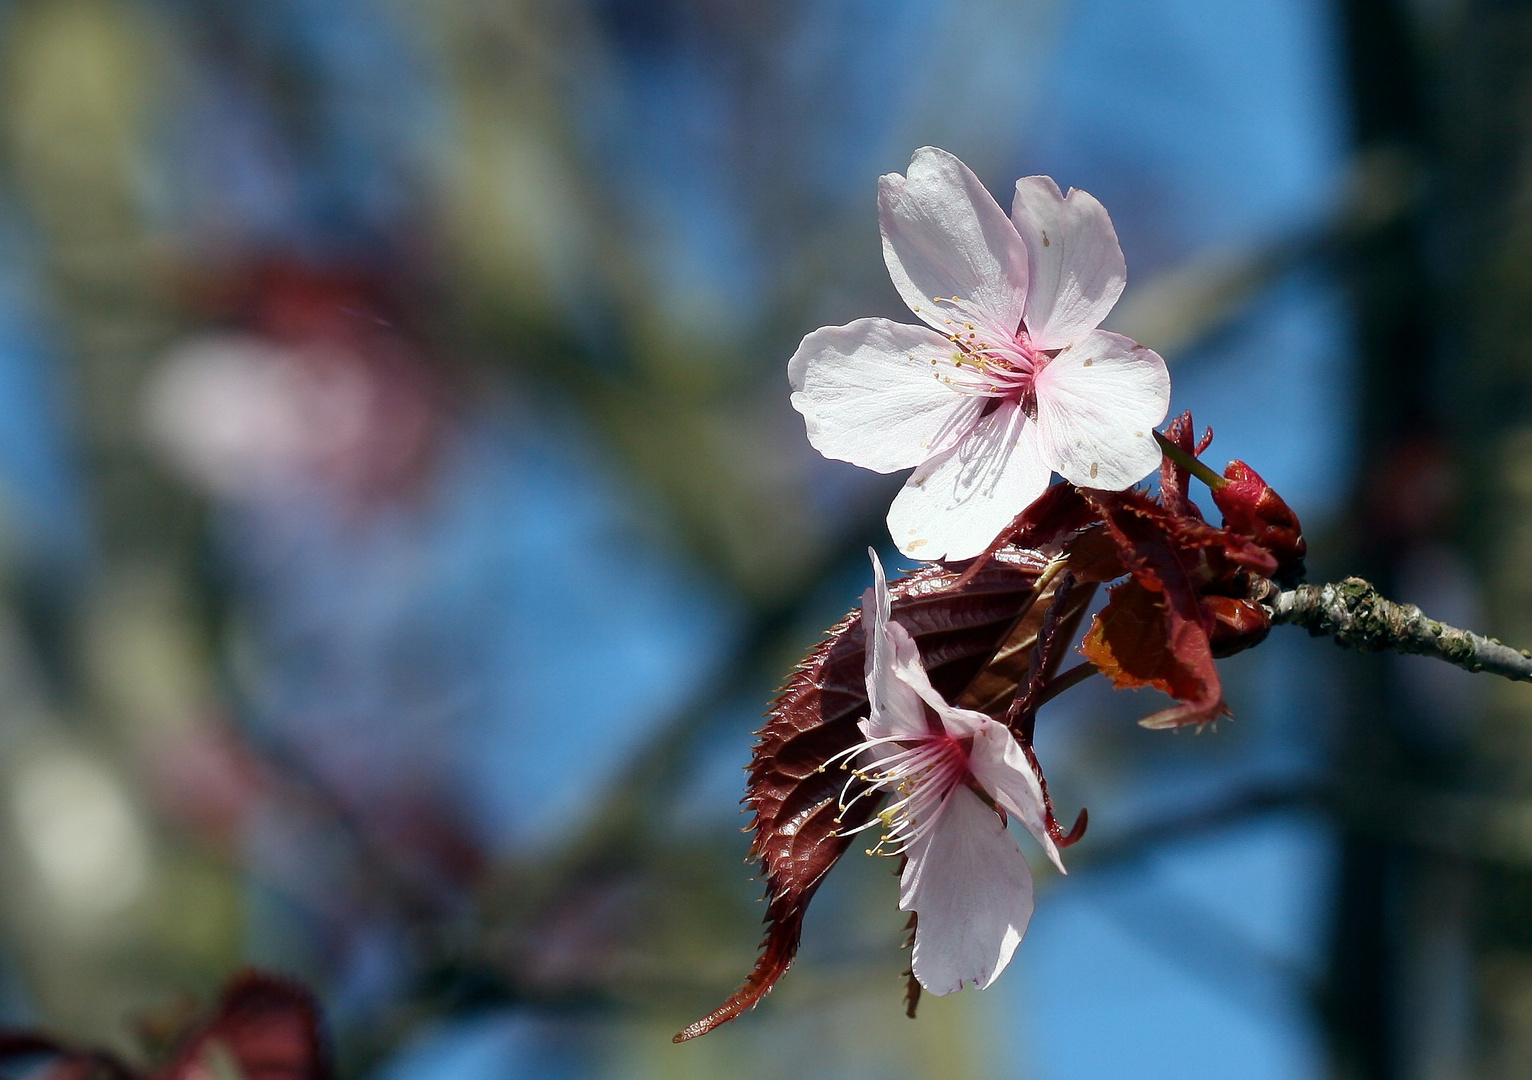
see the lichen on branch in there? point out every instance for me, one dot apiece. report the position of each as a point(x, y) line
point(1357, 616)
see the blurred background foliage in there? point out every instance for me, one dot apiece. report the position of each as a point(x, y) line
point(402, 521)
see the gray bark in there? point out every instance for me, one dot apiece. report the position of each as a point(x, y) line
point(1357, 616)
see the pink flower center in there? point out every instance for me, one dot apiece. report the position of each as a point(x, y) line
point(988, 359)
point(921, 773)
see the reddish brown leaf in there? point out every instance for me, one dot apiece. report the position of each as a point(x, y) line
point(911, 984)
point(1127, 641)
point(1061, 617)
point(1209, 556)
point(1093, 556)
point(994, 688)
point(1175, 481)
point(1057, 513)
point(1054, 515)
point(1154, 632)
point(266, 1026)
point(799, 834)
point(1139, 640)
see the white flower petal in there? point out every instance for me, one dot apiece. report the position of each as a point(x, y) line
point(944, 235)
point(970, 884)
point(1001, 767)
point(911, 672)
point(892, 656)
point(955, 504)
point(869, 394)
point(1098, 402)
point(1076, 269)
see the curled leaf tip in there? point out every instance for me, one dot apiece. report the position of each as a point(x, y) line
point(1076, 832)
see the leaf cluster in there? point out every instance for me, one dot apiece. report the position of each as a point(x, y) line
point(993, 634)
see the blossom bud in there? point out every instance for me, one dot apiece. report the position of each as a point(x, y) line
point(1237, 624)
point(1251, 508)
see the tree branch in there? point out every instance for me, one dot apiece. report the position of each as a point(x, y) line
point(1357, 616)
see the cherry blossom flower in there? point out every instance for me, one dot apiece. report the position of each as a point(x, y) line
point(1009, 381)
point(954, 773)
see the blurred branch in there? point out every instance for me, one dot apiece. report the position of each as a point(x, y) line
point(1128, 844)
point(1358, 617)
point(668, 979)
point(654, 776)
point(1181, 307)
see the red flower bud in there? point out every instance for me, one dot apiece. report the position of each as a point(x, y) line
point(1237, 624)
point(1251, 508)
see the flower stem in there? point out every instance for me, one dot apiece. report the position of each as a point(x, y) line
point(1189, 463)
point(1063, 681)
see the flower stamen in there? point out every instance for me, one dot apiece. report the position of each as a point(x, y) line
point(922, 774)
point(1001, 364)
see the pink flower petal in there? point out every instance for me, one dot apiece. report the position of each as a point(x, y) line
point(945, 236)
point(1075, 264)
point(1098, 402)
point(959, 723)
point(870, 395)
point(970, 884)
point(892, 661)
point(955, 504)
point(1002, 769)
